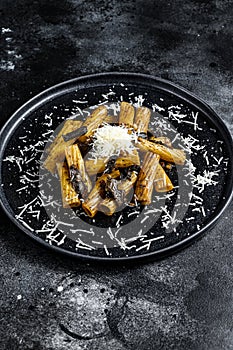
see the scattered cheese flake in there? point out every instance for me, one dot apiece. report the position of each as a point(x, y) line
point(6, 30)
point(156, 107)
point(106, 250)
point(139, 101)
point(200, 181)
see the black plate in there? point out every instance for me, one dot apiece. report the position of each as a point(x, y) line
point(174, 222)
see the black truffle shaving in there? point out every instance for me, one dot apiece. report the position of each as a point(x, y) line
point(157, 142)
point(127, 172)
point(76, 133)
point(124, 173)
point(109, 189)
point(113, 192)
point(102, 189)
point(143, 135)
point(110, 165)
point(135, 168)
point(84, 148)
point(149, 134)
point(77, 182)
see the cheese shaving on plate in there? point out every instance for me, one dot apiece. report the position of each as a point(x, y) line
point(111, 140)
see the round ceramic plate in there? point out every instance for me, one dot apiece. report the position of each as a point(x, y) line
point(202, 186)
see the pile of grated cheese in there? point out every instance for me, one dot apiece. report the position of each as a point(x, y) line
point(111, 140)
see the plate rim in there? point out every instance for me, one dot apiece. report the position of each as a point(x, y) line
point(9, 126)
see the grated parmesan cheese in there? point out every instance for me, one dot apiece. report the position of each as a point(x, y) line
point(111, 140)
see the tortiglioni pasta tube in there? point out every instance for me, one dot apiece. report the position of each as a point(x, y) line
point(126, 116)
point(171, 155)
point(142, 119)
point(108, 206)
point(57, 148)
point(145, 182)
point(162, 182)
point(69, 197)
point(75, 161)
point(94, 198)
point(95, 166)
point(94, 121)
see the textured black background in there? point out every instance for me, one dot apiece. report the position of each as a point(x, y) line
point(183, 302)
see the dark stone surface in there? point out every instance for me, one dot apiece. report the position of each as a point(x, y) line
point(183, 302)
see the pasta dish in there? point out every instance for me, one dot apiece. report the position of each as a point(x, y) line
point(106, 162)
